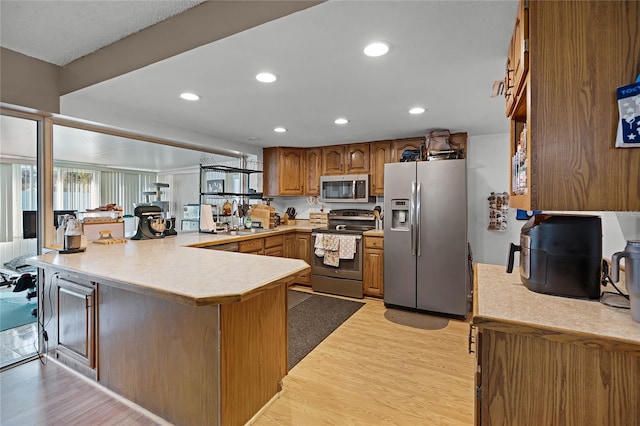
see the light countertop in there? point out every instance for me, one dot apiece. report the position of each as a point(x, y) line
point(171, 269)
point(502, 298)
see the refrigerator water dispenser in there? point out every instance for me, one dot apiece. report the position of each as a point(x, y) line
point(400, 215)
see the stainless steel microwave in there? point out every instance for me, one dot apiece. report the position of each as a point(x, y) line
point(344, 188)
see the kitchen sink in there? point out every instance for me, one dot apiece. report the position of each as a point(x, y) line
point(245, 232)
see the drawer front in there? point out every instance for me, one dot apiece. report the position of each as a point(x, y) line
point(249, 246)
point(373, 242)
point(276, 240)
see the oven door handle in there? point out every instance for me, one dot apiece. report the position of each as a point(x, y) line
point(357, 236)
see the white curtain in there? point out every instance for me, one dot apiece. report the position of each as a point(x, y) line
point(7, 202)
point(75, 188)
point(124, 188)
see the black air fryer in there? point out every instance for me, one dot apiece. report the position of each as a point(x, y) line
point(560, 255)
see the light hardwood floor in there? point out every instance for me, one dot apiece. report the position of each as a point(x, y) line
point(381, 366)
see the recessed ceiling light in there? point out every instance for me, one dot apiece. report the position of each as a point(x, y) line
point(266, 77)
point(189, 96)
point(341, 121)
point(416, 110)
point(376, 49)
point(280, 129)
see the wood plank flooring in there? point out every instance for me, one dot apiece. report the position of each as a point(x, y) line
point(380, 367)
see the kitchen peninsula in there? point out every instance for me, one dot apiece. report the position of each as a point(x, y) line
point(195, 336)
point(546, 360)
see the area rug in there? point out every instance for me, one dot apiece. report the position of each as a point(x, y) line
point(15, 309)
point(312, 320)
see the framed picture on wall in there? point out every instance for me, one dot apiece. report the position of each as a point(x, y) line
point(216, 185)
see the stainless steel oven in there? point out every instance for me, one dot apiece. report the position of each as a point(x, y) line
point(346, 278)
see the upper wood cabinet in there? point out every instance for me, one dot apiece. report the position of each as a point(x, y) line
point(399, 145)
point(333, 160)
point(518, 58)
point(380, 154)
point(313, 166)
point(357, 158)
point(345, 159)
point(570, 109)
point(284, 170)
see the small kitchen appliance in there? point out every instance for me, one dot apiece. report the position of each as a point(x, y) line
point(72, 235)
point(560, 255)
point(631, 255)
point(151, 223)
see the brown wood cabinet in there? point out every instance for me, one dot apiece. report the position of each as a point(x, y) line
point(399, 145)
point(345, 159)
point(290, 247)
point(569, 107)
point(333, 162)
point(373, 276)
point(274, 246)
point(284, 170)
point(529, 378)
point(298, 245)
point(380, 154)
point(357, 156)
point(313, 166)
point(253, 246)
point(304, 250)
point(518, 58)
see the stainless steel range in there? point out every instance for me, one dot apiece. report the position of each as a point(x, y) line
point(345, 278)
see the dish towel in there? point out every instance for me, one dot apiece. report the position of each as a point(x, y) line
point(319, 245)
point(347, 246)
point(331, 248)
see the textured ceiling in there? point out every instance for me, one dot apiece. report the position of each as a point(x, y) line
point(60, 32)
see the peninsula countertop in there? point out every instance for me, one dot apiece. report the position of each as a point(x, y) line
point(175, 268)
point(502, 300)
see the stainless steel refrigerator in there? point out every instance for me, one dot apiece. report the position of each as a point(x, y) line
point(426, 259)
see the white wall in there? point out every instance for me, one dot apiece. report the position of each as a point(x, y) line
point(487, 171)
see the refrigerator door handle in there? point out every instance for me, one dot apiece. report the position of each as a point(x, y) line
point(417, 219)
point(412, 218)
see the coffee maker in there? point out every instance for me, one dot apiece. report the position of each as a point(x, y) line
point(151, 223)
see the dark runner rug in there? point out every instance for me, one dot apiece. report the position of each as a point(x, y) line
point(312, 320)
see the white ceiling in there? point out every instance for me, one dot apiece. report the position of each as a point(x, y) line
point(445, 57)
point(59, 32)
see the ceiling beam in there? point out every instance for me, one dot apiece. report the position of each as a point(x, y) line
point(200, 25)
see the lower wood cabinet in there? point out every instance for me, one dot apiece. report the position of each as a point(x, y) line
point(253, 246)
point(274, 246)
point(540, 377)
point(76, 313)
point(373, 276)
point(304, 251)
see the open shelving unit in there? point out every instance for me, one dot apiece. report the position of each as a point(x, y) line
point(220, 184)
